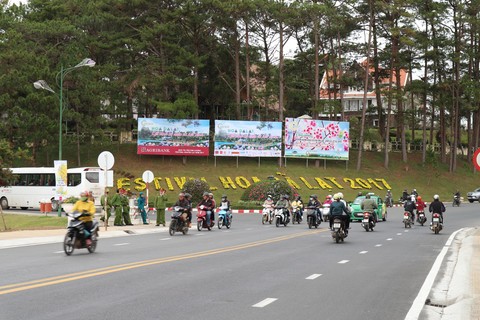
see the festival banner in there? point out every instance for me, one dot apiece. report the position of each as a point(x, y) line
point(173, 137)
point(248, 138)
point(60, 167)
point(316, 139)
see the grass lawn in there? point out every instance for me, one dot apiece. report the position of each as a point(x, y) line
point(16, 222)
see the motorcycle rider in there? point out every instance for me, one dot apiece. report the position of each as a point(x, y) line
point(298, 203)
point(388, 198)
point(437, 206)
point(405, 195)
point(348, 219)
point(415, 193)
point(337, 208)
point(207, 205)
point(409, 206)
point(285, 204)
point(420, 206)
point(268, 203)
point(86, 207)
point(328, 200)
point(456, 196)
point(184, 203)
point(314, 203)
point(214, 205)
point(225, 205)
point(369, 205)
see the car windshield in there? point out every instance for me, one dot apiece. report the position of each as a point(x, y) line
point(359, 200)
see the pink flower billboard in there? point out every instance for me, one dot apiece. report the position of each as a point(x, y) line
point(316, 139)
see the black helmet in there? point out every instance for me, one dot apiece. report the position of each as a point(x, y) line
point(298, 198)
point(315, 197)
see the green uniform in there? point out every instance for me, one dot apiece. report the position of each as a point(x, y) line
point(160, 203)
point(117, 205)
point(109, 205)
point(126, 210)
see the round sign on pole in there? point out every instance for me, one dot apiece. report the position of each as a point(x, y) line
point(476, 159)
point(106, 160)
point(148, 176)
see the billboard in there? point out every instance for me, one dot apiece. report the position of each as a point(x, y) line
point(248, 138)
point(316, 139)
point(173, 137)
point(60, 179)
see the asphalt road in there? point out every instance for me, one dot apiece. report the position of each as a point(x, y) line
point(248, 272)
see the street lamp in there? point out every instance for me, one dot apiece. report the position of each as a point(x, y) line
point(42, 84)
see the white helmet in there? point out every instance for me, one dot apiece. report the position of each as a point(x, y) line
point(436, 197)
point(340, 195)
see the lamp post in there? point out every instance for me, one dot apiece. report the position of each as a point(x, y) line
point(42, 84)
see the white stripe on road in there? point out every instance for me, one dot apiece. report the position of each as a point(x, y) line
point(343, 261)
point(399, 234)
point(199, 234)
point(58, 251)
point(363, 252)
point(405, 231)
point(389, 239)
point(419, 301)
point(121, 244)
point(164, 239)
point(313, 276)
point(378, 245)
point(264, 303)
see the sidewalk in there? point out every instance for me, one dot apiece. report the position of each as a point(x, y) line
point(456, 291)
point(12, 239)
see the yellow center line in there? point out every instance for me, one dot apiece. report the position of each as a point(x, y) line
point(16, 287)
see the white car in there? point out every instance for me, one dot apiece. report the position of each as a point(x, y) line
point(474, 195)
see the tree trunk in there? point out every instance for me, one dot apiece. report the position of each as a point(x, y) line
point(281, 81)
point(378, 92)
point(247, 72)
point(238, 99)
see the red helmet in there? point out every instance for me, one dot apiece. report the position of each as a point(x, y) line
point(419, 198)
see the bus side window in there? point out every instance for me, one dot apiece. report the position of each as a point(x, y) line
point(22, 180)
point(92, 177)
point(50, 179)
point(74, 179)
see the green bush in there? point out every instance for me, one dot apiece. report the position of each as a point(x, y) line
point(196, 188)
point(260, 190)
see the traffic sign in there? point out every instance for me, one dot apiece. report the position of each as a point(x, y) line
point(476, 159)
point(147, 176)
point(106, 160)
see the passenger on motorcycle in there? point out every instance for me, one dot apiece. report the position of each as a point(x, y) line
point(298, 203)
point(389, 198)
point(182, 202)
point(405, 195)
point(420, 205)
point(86, 207)
point(337, 210)
point(268, 203)
point(437, 206)
point(207, 205)
point(284, 203)
point(415, 193)
point(409, 206)
point(348, 209)
point(328, 200)
point(369, 205)
point(314, 203)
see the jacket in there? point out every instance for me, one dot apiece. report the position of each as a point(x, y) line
point(369, 205)
point(160, 202)
point(337, 208)
point(141, 202)
point(436, 206)
point(85, 207)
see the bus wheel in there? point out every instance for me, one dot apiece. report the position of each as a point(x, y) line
point(4, 203)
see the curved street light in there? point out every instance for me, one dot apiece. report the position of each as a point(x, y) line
point(42, 84)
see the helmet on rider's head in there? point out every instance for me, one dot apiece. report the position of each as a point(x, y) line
point(298, 198)
point(340, 195)
point(336, 196)
point(205, 194)
point(388, 190)
point(182, 194)
point(367, 196)
point(419, 198)
point(210, 194)
point(329, 196)
point(269, 197)
point(314, 197)
point(436, 197)
point(224, 196)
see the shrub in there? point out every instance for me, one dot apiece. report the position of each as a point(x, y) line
point(260, 190)
point(196, 188)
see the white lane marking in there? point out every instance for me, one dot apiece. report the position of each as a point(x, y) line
point(313, 276)
point(378, 245)
point(389, 239)
point(343, 261)
point(58, 251)
point(419, 301)
point(399, 234)
point(225, 231)
point(363, 252)
point(121, 244)
point(164, 239)
point(405, 231)
point(248, 229)
point(199, 234)
point(264, 303)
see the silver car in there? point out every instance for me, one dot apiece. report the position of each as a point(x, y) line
point(474, 195)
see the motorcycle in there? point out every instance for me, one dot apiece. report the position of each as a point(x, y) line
point(281, 216)
point(456, 201)
point(179, 221)
point(326, 212)
point(267, 215)
point(368, 223)
point(202, 220)
point(77, 235)
point(338, 231)
point(407, 219)
point(312, 218)
point(224, 218)
point(296, 216)
point(436, 225)
point(388, 201)
point(421, 217)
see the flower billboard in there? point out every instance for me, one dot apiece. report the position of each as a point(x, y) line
point(248, 138)
point(173, 137)
point(317, 139)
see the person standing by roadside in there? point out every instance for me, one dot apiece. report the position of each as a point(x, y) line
point(125, 207)
point(117, 206)
point(160, 203)
point(141, 207)
point(108, 205)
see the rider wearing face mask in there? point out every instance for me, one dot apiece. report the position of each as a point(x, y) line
point(86, 207)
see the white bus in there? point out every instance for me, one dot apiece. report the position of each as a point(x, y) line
point(32, 185)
